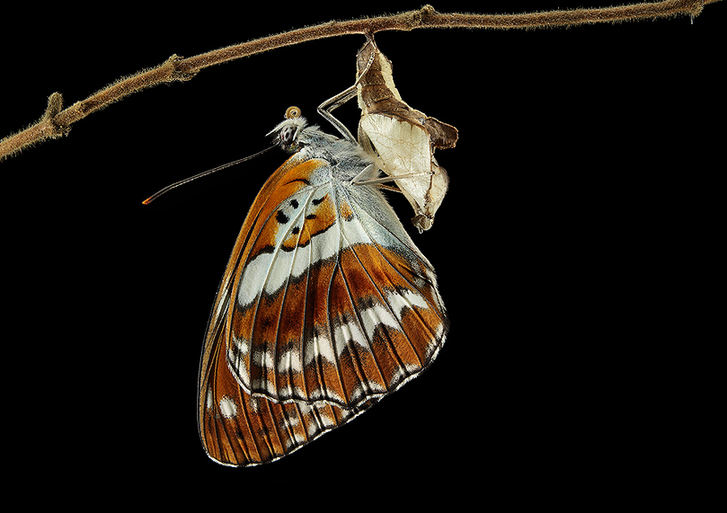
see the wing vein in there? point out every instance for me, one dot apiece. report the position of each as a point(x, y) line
point(358, 318)
point(273, 259)
point(436, 308)
point(337, 267)
point(394, 314)
point(282, 306)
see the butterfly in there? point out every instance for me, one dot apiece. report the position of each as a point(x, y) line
point(325, 307)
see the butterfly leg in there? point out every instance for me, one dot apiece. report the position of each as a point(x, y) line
point(367, 171)
point(384, 179)
point(326, 108)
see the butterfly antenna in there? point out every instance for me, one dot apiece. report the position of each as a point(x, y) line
point(203, 173)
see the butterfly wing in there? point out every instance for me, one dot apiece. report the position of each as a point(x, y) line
point(236, 428)
point(239, 429)
point(326, 305)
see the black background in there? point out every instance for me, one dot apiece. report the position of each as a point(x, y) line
point(557, 248)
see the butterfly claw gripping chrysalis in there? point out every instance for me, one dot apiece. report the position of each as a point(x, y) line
point(326, 305)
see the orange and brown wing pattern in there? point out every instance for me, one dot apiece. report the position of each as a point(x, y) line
point(238, 429)
point(326, 305)
point(329, 313)
point(287, 180)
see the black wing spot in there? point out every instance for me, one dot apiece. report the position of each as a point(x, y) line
point(319, 200)
point(294, 203)
point(281, 217)
point(298, 180)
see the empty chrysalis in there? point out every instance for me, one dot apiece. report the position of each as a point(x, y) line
point(400, 138)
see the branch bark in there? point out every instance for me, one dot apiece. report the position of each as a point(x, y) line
point(56, 121)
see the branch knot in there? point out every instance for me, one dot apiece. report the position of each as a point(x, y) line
point(697, 7)
point(55, 105)
point(422, 14)
point(178, 72)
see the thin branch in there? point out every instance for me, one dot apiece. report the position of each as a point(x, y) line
point(56, 122)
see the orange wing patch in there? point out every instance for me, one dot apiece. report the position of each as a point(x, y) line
point(291, 178)
point(320, 216)
point(345, 210)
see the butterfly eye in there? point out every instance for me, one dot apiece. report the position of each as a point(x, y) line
point(287, 134)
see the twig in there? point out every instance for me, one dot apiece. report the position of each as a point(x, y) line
point(56, 122)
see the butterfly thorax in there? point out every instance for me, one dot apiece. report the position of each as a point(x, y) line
point(310, 142)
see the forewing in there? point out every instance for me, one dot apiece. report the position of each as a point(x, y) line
point(292, 177)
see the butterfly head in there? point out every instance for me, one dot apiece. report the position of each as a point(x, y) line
point(287, 134)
